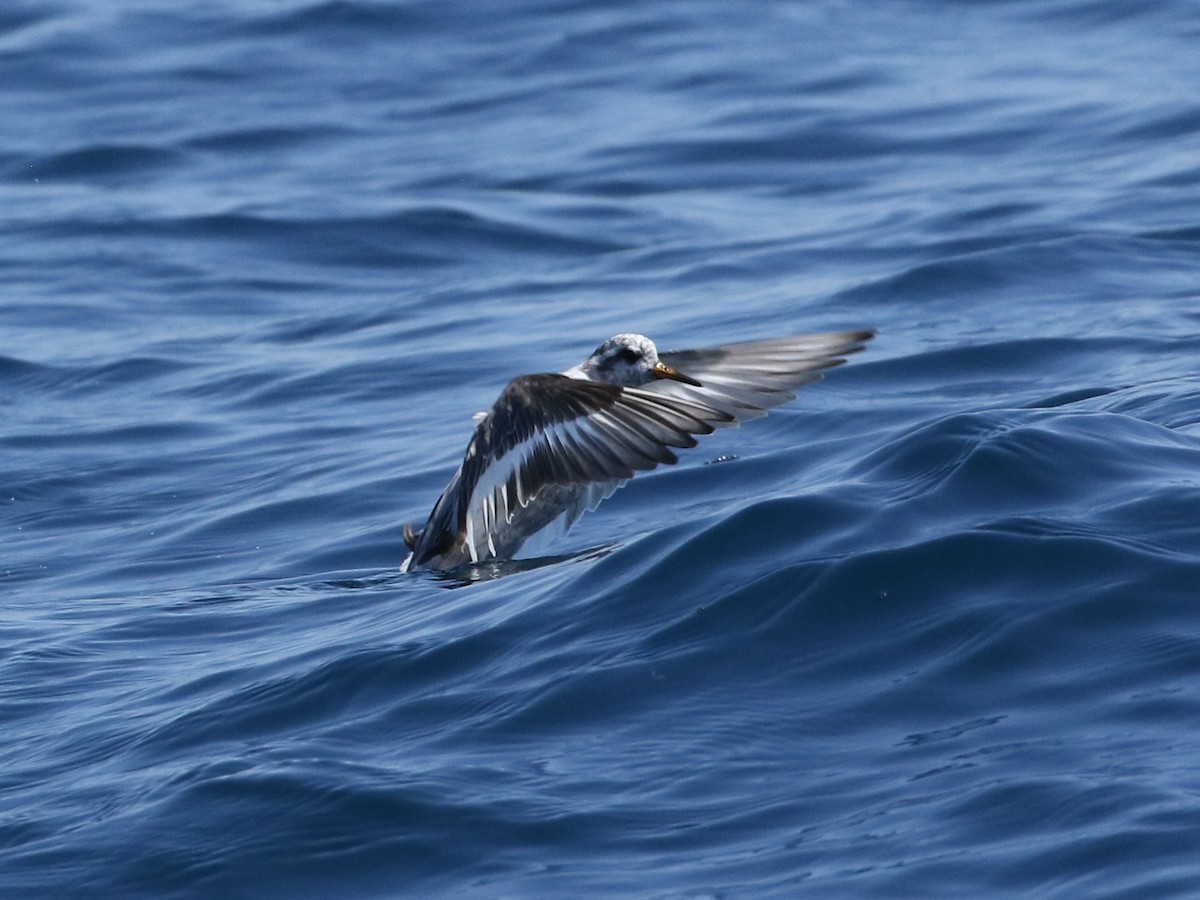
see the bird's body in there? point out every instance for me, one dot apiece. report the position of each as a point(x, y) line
point(555, 445)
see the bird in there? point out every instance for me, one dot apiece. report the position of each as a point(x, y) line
point(555, 445)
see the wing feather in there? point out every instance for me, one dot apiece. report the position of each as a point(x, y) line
point(750, 378)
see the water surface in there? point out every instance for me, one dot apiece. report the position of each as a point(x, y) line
point(931, 630)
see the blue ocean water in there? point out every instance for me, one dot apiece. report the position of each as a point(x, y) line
point(931, 630)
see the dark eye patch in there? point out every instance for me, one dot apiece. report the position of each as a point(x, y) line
point(629, 355)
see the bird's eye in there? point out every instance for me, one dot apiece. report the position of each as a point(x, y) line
point(628, 355)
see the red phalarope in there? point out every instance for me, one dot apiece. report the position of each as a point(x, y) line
point(555, 445)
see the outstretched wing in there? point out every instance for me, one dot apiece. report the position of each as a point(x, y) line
point(748, 379)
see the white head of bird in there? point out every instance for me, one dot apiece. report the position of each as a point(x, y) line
point(629, 360)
